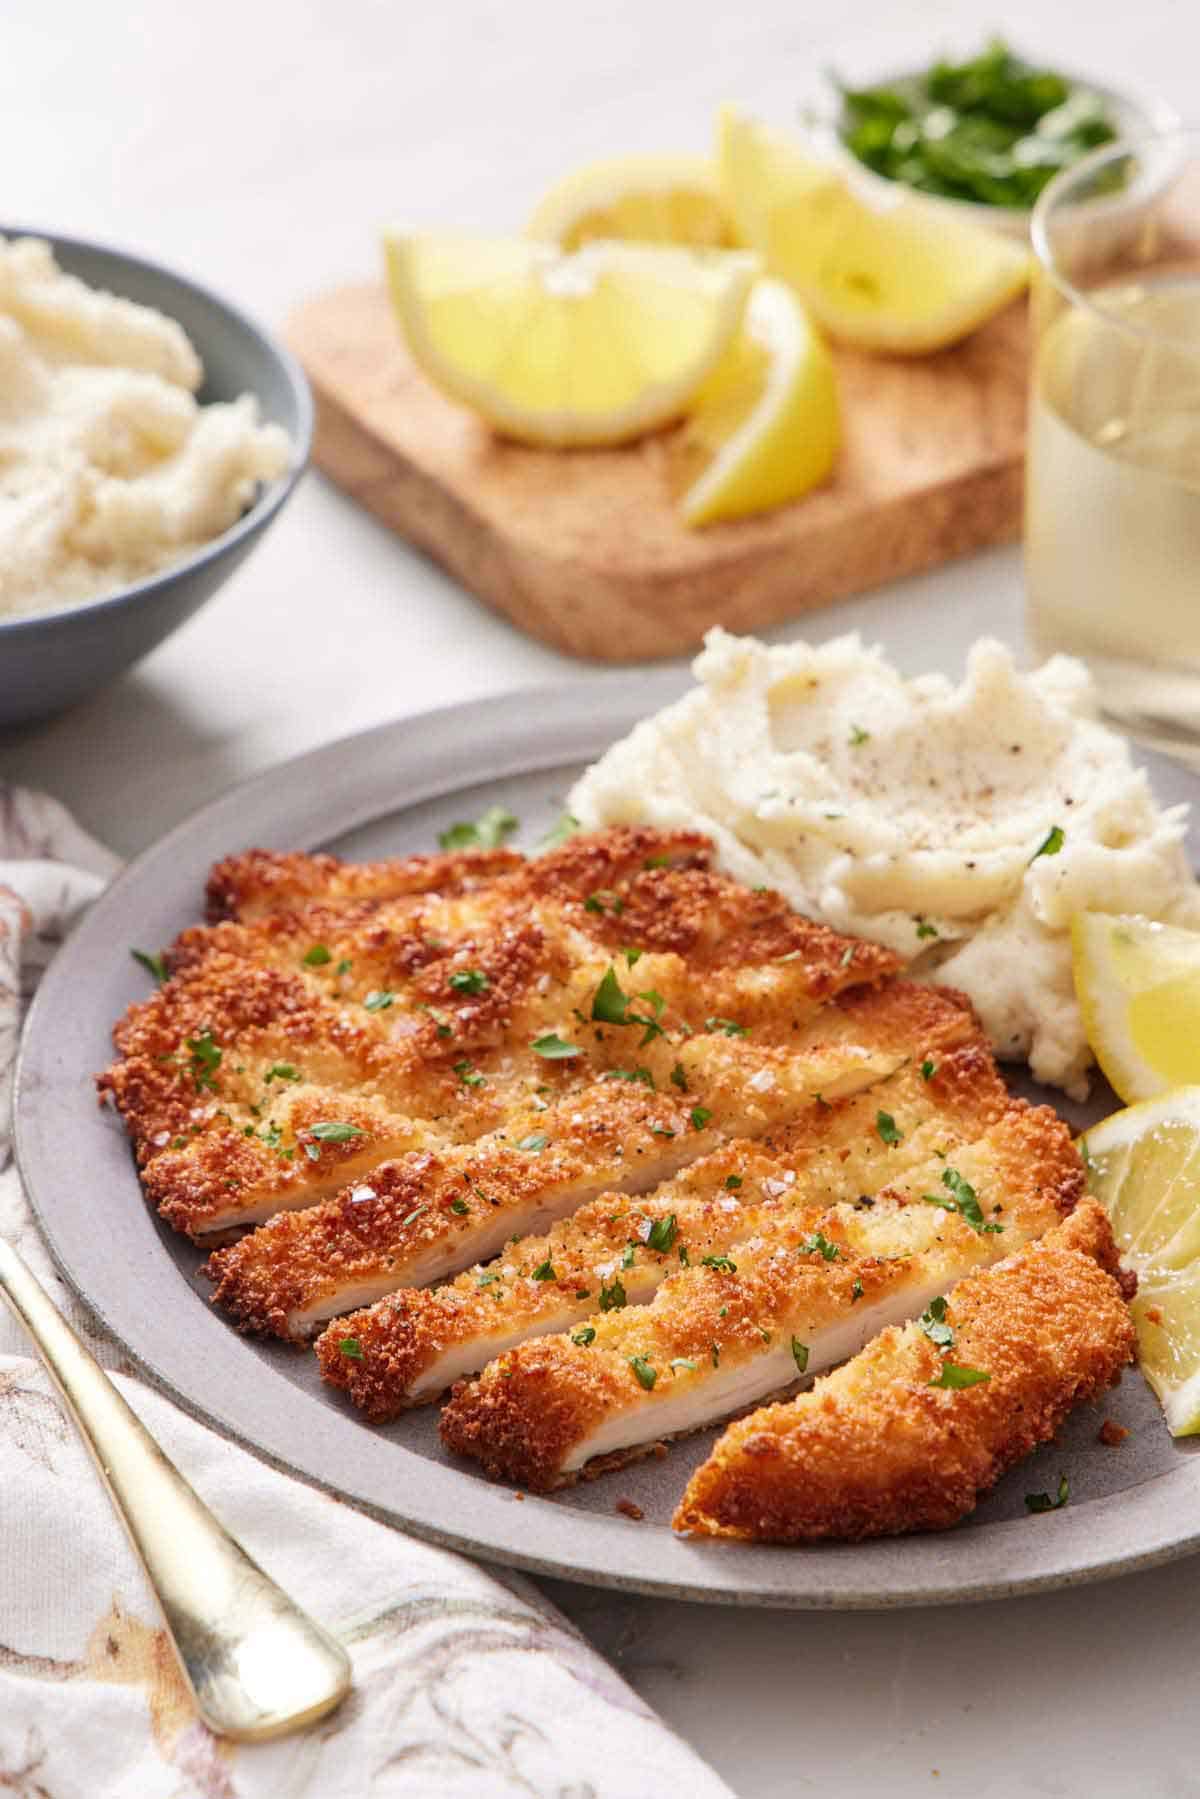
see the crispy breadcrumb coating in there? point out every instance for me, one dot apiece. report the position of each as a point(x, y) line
point(414, 1344)
point(876, 1448)
point(404, 1002)
point(720, 1336)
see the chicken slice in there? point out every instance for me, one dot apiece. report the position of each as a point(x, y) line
point(421, 1218)
point(410, 1347)
point(434, 1039)
point(885, 1444)
point(796, 1297)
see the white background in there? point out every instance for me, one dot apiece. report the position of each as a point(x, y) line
point(260, 147)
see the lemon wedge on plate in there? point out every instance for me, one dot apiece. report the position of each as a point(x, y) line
point(1138, 985)
point(901, 278)
point(664, 199)
point(1144, 1167)
point(596, 346)
point(764, 427)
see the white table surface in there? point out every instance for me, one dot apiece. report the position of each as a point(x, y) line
point(260, 147)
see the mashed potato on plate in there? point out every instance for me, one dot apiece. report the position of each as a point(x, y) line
point(960, 825)
point(110, 469)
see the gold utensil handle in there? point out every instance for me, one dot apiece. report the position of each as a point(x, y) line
point(256, 1664)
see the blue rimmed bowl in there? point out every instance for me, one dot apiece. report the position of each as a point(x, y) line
point(49, 660)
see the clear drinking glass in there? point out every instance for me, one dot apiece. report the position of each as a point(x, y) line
point(1112, 494)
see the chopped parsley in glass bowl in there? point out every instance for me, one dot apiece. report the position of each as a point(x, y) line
point(984, 135)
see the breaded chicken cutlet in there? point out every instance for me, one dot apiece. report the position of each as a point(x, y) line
point(335, 1017)
point(797, 1295)
point(635, 1145)
point(616, 1250)
point(909, 1433)
point(419, 1219)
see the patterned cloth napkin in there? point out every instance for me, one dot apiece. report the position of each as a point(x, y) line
point(466, 1683)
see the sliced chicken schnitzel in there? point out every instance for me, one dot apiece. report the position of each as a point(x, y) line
point(910, 1432)
point(617, 1251)
point(798, 1295)
point(344, 1017)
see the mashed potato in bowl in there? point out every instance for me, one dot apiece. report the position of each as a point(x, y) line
point(110, 469)
point(960, 825)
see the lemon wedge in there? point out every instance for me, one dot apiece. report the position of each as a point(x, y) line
point(903, 278)
point(764, 427)
point(597, 346)
point(1144, 1167)
point(1138, 985)
point(663, 199)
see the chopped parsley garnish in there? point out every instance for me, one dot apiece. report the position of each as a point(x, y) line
point(468, 980)
point(662, 1233)
point(604, 900)
point(544, 1272)
point(152, 964)
point(281, 1071)
point(1042, 1502)
point(460, 1206)
point(858, 735)
point(344, 966)
point(660, 1130)
point(633, 956)
point(642, 1076)
point(732, 1182)
point(680, 1361)
point(467, 1073)
point(933, 1323)
point(729, 1026)
point(991, 129)
point(585, 1336)
point(928, 1070)
point(554, 1048)
point(204, 1058)
point(885, 1124)
point(272, 1136)
point(627, 1255)
point(924, 928)
point(351, 1348)
point(963, 1200)
point(800, 1355)
point(379, 1000)
point(609, 1002)
point(412, 1217)
point(817, 1244)
point(487, 833)
point(612, 1298)
point(536, 1141)
point(954, 1376)
point(700, 1117)
point(657, 862)
point(334, 1132)
point(722, 1264)
point(679, 1077)
point(566, 826)
point(1051, 843)
point(487, 1280)
point(646, 1375)
point(317, 956)
point(856, 1291)
point(610, 1005)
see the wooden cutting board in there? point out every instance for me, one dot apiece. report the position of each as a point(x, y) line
point(583, 548)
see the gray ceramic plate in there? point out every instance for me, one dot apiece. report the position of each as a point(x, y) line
point(388, 792)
